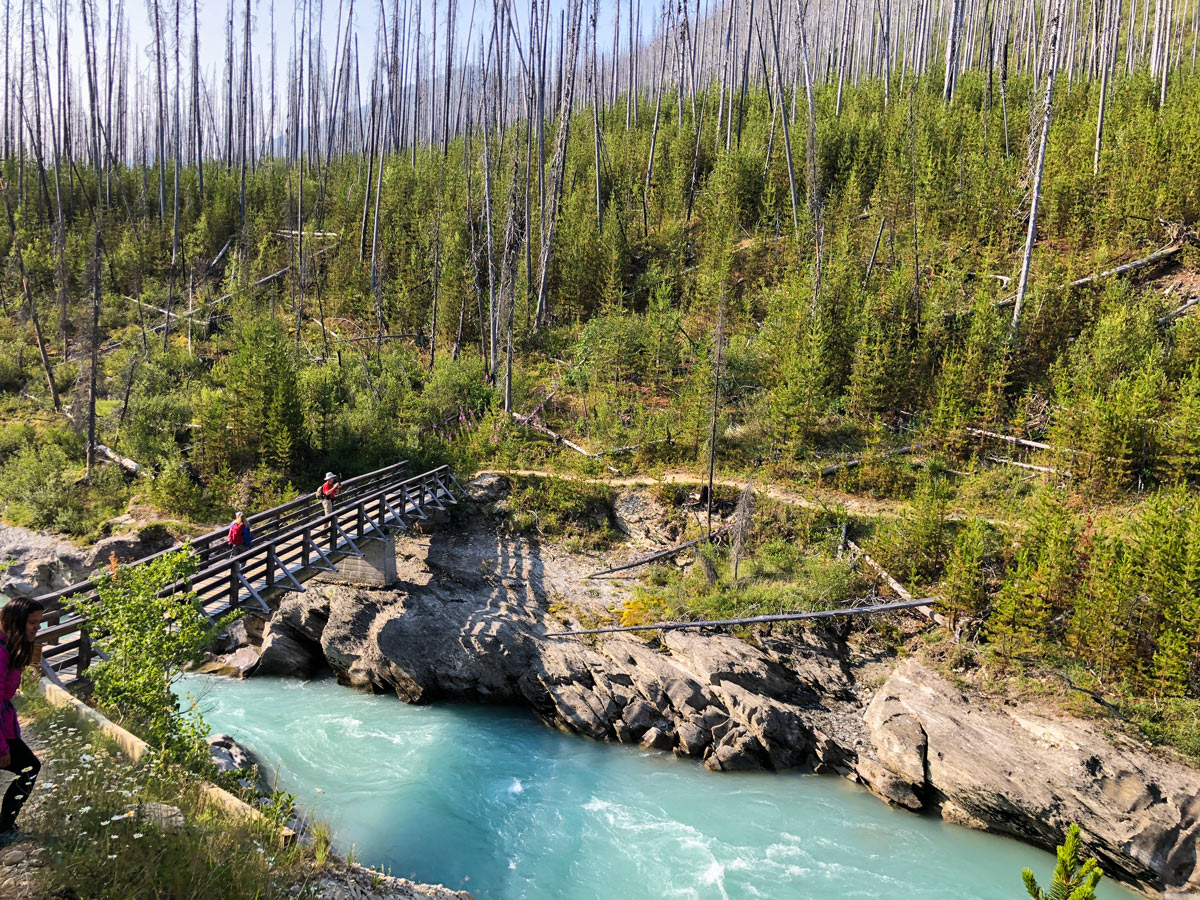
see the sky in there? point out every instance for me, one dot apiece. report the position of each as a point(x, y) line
point(212, 16)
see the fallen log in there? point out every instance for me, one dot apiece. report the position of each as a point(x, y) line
point(1020, 465)
point(756, 620)
point(1158, 256)
point(124, 461)
point(661, 554)
point(896, 586)
point(1165, 253)
point(1177, 312)
point(1036, 445)
point(528, 422)
point(310, 234)
point(851, 463)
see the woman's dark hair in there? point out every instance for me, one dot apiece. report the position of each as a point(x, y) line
point(13, 619)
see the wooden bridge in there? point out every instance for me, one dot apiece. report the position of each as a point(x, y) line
point(292, 543)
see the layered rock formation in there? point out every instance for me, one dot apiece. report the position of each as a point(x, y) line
point(40, 563)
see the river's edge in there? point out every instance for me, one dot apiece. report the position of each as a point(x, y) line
point(469, 618)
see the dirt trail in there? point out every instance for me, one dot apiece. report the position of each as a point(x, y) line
point(815, 498)
point(819, 499)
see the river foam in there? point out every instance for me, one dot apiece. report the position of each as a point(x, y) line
point(489, 800)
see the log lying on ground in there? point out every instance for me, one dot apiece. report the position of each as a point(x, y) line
point(310, 234)
point(1004, 460)
point(1177, 312)
point(1036, 445)
point(528, 422)
point(851, 463)
point(662, 554)
point(1158, 256)
point(925, 610)
point(124, 462)
point(755, 620)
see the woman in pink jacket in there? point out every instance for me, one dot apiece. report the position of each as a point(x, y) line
point(19, 623)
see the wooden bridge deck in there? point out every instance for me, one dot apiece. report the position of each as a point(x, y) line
point(292, 543)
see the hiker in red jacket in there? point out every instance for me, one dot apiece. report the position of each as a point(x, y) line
point(329, 490)
point(239, 537)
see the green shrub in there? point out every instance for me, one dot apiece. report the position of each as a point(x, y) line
point(148, 637)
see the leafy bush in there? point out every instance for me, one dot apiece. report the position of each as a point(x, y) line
point(149, 637)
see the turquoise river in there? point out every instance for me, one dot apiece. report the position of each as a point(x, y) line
point(491, 801)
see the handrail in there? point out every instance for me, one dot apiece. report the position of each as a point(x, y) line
point(201, 544)
point(378, 500)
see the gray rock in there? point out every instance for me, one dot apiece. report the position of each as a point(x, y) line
point(163, 816)
point(231, 665)
point(13, 857)
point(885, 784)
point(738, 751)
point(693, 738)
point(287, 651)
point(245, 632)
point(128, 546)
point(228, 755)
point(640, 515)
point(657, 739)
point(640, 716)
point(898, 737)
point(1024, 773)
point(488, 488)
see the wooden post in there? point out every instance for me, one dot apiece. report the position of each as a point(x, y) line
point(84, 658)
point(234, 571)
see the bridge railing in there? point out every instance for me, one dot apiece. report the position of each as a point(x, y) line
point(239, 580)
point(294, 539)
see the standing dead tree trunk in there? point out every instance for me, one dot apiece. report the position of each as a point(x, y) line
point(33, 315)
point(558, 164)
point(1039, 165)
point(718, 344)
point(814, 175)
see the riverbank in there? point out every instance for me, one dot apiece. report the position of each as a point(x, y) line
point(101, 826)
point(469, 621)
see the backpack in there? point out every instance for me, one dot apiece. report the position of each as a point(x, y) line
point(236, 534)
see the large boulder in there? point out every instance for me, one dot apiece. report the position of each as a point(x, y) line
point(1017, 770)
point(130, 545)
point(489, 487)
point(291, 643)
point(237, 664)
point(228, 755)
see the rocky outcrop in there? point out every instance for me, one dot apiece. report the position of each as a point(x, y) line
point(642, 516)
point(291, 639)
point(40, 563)
point(1018, 771)
point(713, 698)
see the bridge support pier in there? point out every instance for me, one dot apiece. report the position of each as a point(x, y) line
point(376, 567)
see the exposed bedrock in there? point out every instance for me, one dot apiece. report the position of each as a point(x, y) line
point(919, 742)
point(1016, 770)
